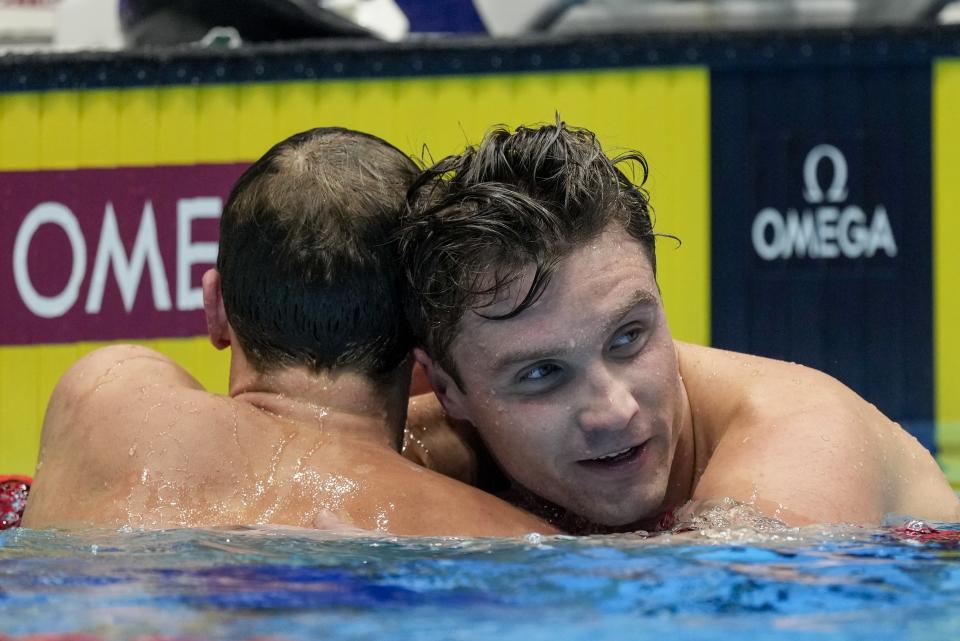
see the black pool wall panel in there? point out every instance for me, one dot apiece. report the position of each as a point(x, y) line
point(821, 224)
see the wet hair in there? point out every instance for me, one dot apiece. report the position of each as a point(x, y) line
point(307, 260)
point(525, 198)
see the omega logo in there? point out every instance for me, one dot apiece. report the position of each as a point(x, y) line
point(827, 227)
point(111, 256)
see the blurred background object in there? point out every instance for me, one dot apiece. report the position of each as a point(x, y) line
point(447, 16)
point(32, 25)
point(382, 17)
point(699, 15)
point(112, 24)
point(509, 17)
point(87, 24)
point(27, 24)
point(950, 14)
point(170, 22)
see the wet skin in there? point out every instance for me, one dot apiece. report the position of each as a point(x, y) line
point(131, 439)
point(586, 410)
point(587, 403)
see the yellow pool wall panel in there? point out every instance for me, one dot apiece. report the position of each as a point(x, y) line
point(946, 263)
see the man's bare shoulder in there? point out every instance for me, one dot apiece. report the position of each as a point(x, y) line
point(111, 372)
point(739, 377)
point(735, 390)
point(116, 393)
point(110, 411)
point(800, 443)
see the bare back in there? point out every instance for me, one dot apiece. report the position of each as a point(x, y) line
point(802, 446)
point(131, 439)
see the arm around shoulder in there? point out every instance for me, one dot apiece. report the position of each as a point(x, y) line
point(445, 507)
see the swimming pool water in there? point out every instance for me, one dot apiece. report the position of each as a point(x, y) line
point(836, 583)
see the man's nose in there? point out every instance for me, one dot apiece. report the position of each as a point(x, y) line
point(608, 402)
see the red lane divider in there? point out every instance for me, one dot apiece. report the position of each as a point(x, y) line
point(14, 490)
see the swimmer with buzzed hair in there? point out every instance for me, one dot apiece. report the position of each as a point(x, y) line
point(306, 296)
point(532, 266)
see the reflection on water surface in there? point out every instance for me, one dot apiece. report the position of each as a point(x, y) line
point(778, 583)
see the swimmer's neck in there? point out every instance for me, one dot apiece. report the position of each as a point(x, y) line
point(690, 455)
point(345, 403)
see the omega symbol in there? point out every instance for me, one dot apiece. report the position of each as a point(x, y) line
point(838, 188)
point(828, 227)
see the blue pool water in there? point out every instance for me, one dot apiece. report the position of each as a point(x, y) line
point(836, 583)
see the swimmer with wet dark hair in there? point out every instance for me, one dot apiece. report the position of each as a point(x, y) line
point(532, 266)
point(306, 296)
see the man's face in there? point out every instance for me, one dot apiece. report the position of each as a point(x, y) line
point(579, 396)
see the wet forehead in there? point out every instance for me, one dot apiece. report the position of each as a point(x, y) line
point(595, 282)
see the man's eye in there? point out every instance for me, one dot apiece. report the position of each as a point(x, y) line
point(539, 373)
point(627, 339)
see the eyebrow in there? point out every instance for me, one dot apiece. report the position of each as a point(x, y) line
point(639, 297)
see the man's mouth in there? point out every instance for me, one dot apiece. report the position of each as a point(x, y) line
point(617, 458)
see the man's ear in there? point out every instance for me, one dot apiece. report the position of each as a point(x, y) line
point(218, 328)
point(448, 392)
